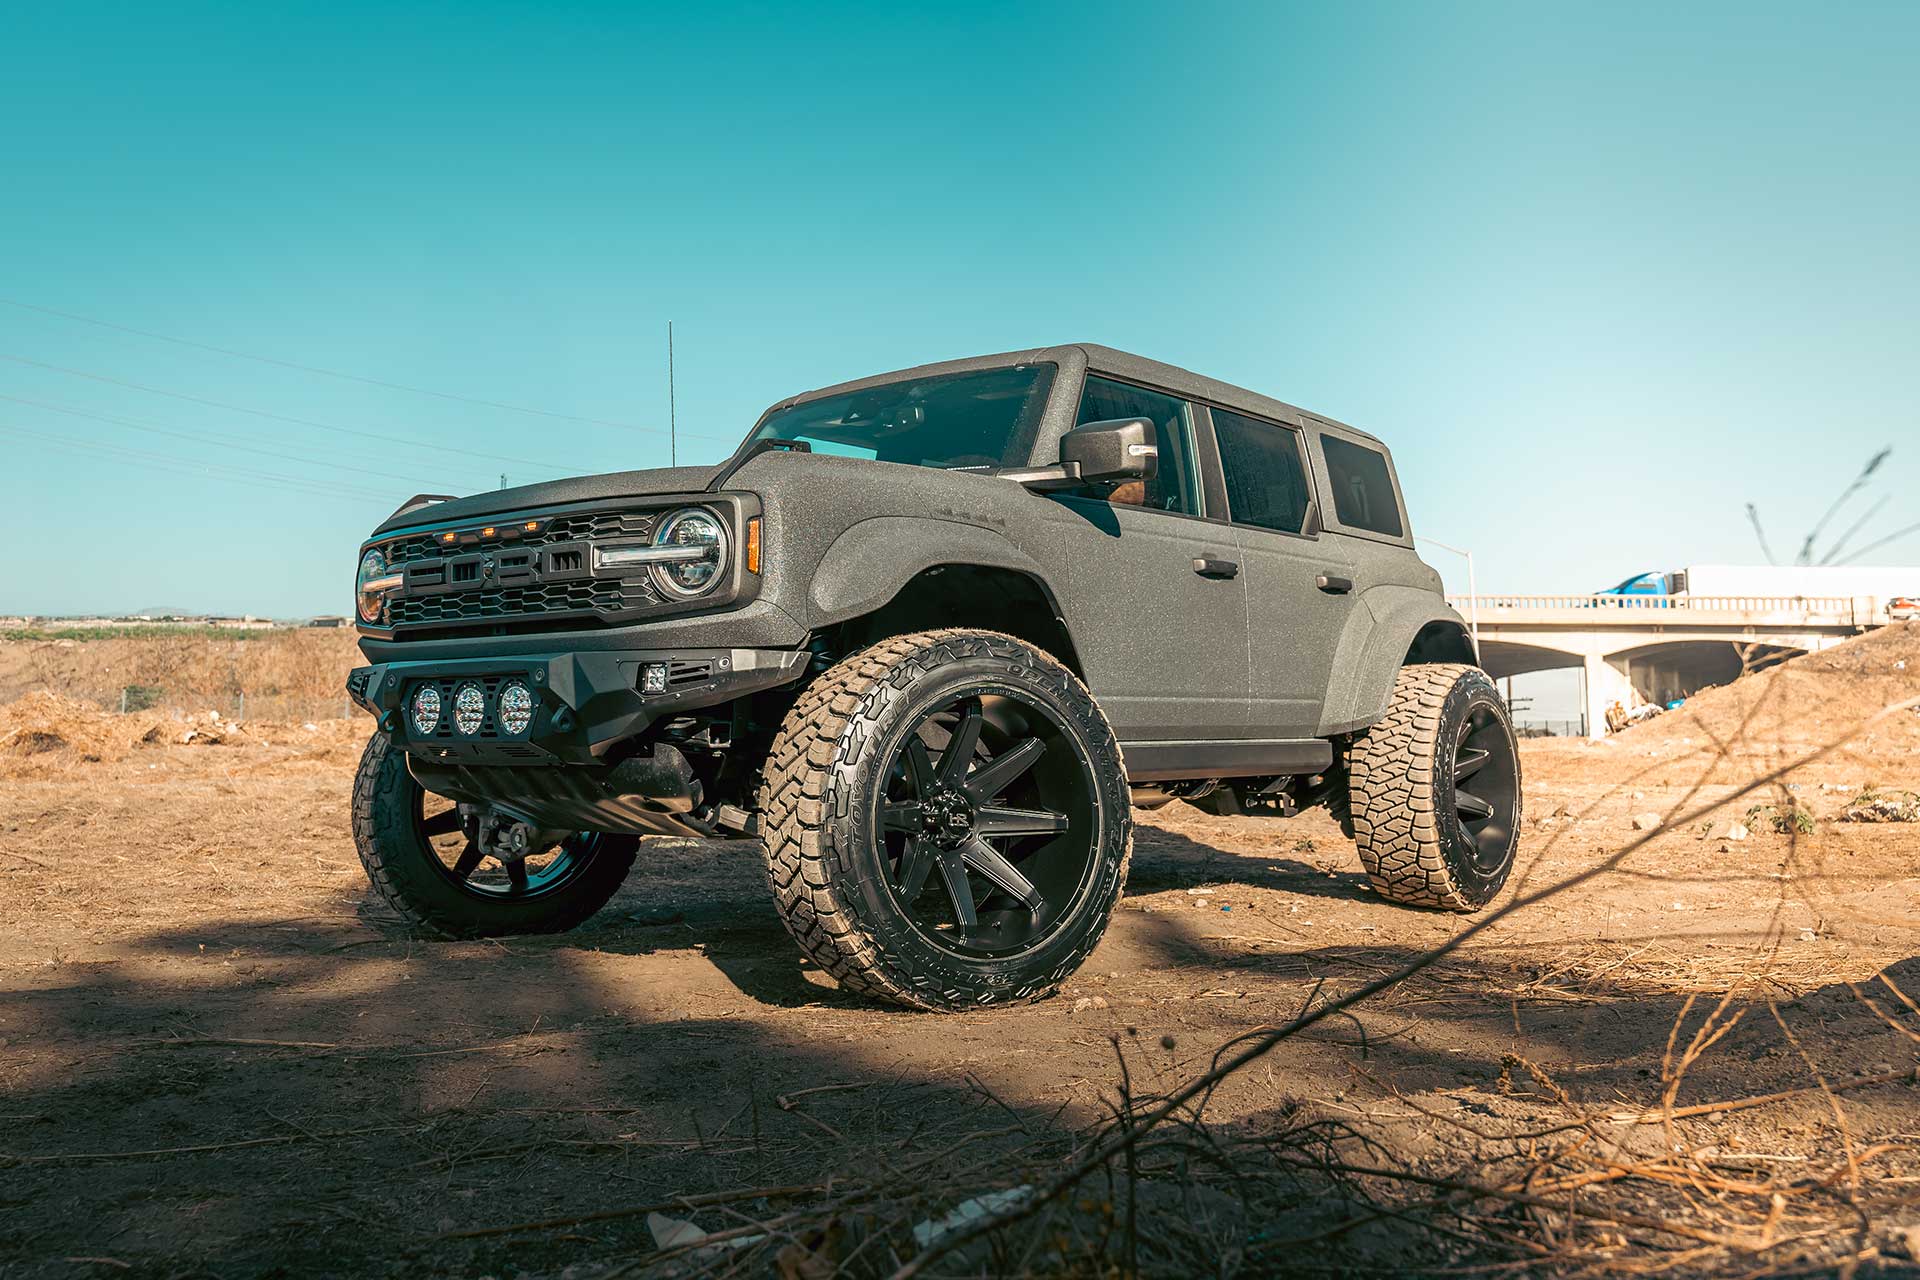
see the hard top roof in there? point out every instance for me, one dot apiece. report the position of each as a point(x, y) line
point(1092, 356)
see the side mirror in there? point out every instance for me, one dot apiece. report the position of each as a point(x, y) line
point(1116, 449)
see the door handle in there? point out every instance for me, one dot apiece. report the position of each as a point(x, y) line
point(1333, 584)
point(1208, 567)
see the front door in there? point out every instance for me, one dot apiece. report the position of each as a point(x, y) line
point(1300, 583)
point(1159, 604)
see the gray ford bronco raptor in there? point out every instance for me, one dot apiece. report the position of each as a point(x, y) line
point(929, 637)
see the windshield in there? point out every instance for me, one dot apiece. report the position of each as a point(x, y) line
point(957, 420)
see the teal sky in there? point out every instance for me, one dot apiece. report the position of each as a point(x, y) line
point(1600, 275)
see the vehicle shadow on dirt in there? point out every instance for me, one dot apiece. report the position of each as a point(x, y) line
point(255, 1095)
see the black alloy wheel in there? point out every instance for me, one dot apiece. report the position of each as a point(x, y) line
point(1484, 759)
point(987, 820)
point(454, 842)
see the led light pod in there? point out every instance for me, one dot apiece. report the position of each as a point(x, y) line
point(516, 707)
point(426, 710)
point(469, 708)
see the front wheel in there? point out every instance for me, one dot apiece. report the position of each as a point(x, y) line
point(426, 862)
point(1435, 790)
point(947, 821)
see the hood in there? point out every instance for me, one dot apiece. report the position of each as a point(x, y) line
point(612, 485)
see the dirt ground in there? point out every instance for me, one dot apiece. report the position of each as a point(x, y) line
point(218, 1057)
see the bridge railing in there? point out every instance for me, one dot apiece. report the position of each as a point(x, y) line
point(1859, 611)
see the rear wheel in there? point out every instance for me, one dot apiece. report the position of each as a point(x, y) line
point(1434, 789)
point(947, 821)
point(425, 860)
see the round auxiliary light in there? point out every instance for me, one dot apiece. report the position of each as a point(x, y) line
point(469, 708)
point(700, 531)
point(368, 602)
point(516, 707)
point(426, 710)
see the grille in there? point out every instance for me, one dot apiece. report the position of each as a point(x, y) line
point(507, 602)
point(571, 528)
point(506, 599)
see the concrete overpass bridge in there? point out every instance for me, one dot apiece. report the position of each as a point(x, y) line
point(1659, 647)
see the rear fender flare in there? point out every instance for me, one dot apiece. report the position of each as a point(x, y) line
point(1380, 633)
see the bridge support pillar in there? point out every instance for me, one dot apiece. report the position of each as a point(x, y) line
point(1603, 684)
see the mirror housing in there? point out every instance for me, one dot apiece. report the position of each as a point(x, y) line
point(1115, 449)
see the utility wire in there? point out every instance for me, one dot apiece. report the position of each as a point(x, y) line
point(328, 373)
point(335, 373)
point(216, 439)
point(210, 470)
point(382, 437)
point(1896, 534)
point(1840, 543)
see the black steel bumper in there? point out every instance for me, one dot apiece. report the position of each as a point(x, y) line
point(583, 702)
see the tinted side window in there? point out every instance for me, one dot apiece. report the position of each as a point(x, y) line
point(1363, 496)
point(1266, 480)
point(1173, 487)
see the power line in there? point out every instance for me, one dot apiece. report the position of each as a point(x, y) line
point(213, 438)
point(379, 436)
point(206, 470)
point(329, 373)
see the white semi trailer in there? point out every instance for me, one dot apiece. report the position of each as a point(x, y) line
point(1850, 581)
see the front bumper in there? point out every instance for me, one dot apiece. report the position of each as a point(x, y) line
point(584, 701)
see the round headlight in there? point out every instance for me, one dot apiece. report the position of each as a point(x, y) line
point(516, 707)
point(370, 602)
point(426, 710)
point(469, 708)
point(705, 539)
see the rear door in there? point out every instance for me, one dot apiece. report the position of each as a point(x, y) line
point(1159, 604)
point(1300, 582)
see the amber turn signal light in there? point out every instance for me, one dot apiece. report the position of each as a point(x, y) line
point(753, 545)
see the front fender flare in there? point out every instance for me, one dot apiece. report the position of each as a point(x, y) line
point(871, 561)
point(1380, 632)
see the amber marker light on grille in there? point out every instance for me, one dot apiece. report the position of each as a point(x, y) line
point(531, 526)
point(488, 532)
point(448, 536)
point(753, 545)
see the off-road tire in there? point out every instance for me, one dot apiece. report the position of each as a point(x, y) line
point(829, 882)
point(406, 874)
point(1401, 791)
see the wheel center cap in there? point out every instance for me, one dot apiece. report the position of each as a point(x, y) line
point(947, 816)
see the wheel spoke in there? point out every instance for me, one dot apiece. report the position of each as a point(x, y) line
point(919, 766)
point(955, 760)
point(998, 820)
point(915, 861)
point(441, 824)
point(1006, 877)
point(1472, 807)
point(990, 779)
point(953, 870)
point(469, 860)
point(517, 875)
point(1468, 762)
point(901, 817)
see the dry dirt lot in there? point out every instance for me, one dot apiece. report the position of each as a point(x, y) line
point(218, 1057)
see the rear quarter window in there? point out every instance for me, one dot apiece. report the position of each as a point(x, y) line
point(1363, 495)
